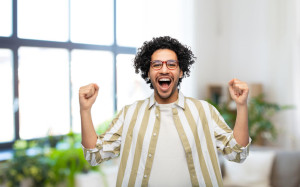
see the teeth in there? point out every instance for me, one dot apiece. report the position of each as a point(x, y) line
point(164, 79)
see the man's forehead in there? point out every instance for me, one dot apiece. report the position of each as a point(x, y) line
point(163, 51)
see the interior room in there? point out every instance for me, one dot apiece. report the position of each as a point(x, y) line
point(50, 48)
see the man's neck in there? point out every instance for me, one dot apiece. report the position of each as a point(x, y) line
point(173, 97)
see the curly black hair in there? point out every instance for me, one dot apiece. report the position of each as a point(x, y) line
point(143, 57)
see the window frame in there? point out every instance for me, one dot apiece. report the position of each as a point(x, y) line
point(14, 43)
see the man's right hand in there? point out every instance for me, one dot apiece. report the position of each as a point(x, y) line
point(87, 96)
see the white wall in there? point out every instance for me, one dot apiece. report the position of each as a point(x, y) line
point(255, 41)
point(203, 46)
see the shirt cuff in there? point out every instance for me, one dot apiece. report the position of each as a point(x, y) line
point(92, 150)
point(243, 150)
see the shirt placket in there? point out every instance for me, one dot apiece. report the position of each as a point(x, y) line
point(152, 147)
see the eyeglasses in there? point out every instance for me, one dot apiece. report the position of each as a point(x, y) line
point(158, 64)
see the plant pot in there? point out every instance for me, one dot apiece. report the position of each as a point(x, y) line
point(260, 140)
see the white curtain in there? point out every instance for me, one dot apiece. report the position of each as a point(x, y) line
point(296, 74)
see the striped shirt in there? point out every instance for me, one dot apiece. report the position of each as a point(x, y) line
point(133, 135)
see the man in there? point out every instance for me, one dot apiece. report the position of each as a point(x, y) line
point(167, 139)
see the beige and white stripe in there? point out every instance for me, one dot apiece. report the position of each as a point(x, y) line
point(203, 147)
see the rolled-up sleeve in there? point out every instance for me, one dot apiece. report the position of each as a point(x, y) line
point(108, 144)
point(225, 141)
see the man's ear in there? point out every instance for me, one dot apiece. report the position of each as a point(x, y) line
point(181, 74)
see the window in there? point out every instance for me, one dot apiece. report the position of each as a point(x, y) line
point(48, 49)
point(6, 96)
point(43, 92)
point(130, 86)
point(48, 20)
point(92, 22)
point(130, 23)
point(6, 17)
point(93, 67)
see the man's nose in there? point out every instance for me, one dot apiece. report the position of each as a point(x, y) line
point(164, 68)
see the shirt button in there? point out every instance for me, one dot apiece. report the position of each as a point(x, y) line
point(150, 155)
point(157, 115)
point(145, 176)
point(154, 134)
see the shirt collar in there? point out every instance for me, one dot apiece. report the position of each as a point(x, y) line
point(179, 102)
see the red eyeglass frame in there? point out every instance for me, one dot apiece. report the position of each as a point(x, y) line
point(166, 62)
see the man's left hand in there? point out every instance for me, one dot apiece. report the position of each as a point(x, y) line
point(238, 91)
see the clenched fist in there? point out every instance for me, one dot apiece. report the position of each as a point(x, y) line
point(87, 96)
point(238, 91)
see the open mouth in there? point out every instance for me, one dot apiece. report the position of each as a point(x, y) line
point(164, 82)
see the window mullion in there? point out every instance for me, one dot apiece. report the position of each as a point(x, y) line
point(115, 57)
point(15, 69)
point(16, 92)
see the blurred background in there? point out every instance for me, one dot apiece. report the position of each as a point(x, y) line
point(50, 48)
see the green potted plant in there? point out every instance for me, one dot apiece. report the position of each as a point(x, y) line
point(67, 159)
point(47, 166)
point(260, 112)
point(25, 167)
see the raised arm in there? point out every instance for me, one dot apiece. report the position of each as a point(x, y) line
point(239, 93)
point(87, 97)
